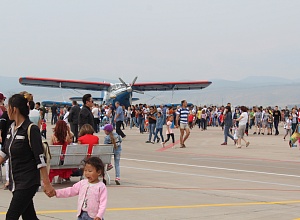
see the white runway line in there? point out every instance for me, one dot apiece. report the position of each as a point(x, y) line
point(215, 177)
point(215, 168)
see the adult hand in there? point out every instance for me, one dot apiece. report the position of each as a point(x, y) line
point(49, 190)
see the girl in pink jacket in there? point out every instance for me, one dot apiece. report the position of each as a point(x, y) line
point(92, 192)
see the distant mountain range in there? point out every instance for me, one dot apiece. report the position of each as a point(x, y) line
point(253, 90)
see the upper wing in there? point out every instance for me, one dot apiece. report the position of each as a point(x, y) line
point(66, 84)
point(165, 86)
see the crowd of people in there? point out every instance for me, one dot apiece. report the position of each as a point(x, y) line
point(80, 125)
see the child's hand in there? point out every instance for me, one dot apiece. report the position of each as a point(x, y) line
point(97, 218)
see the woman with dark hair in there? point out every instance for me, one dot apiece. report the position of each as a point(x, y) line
point(25, 159)
point(61, 136)
point(243, 119)
point(227, 124)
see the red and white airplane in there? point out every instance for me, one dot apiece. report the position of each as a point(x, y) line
point(121, 92)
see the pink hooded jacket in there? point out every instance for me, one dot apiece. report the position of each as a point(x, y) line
point(97, 197)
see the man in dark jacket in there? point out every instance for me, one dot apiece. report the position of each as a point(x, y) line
point(73, 119)
point(85, 115)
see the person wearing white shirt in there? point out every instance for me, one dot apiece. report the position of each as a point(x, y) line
point(243, 119)
point(95, 112)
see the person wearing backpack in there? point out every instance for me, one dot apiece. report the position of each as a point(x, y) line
point(25, 157)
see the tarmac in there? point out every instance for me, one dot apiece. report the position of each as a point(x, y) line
point(203, 181)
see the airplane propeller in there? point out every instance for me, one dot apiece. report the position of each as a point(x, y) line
point(129, 88)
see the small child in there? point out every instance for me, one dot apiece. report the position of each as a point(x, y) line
point(235, 137)
point(191, 119)
point(44, 129)
point(159, 127)
point(288, 126)
point(169, 131)
point(115, 139)
point(270, 124)
point(92, 191)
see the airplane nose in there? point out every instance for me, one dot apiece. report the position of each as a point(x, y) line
point(129, 89)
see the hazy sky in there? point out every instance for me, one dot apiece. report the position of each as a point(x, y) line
point(156, 40)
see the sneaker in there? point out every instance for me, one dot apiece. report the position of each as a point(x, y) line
point(224, 143)
point(239, 146)
point(158, 139)
point(109, 167)
point(152, 142)
point(254, 133)
point(148, 142)
point(117, 180)
point(247, 144)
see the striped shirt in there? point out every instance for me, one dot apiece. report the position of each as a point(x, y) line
point(183, 115)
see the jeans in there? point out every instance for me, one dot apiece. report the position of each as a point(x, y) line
point(85, 216)
point(276, 126)
point(214, 121)
point(251, 123)
point(54, 118)
point(160, 133)
point(151, 130)
point(22, 205)
point(134, 120)
point(294, 126)
point(118, 128)
point(117, 156)
point(203, 123)
point(141, 122)
point(227, 134)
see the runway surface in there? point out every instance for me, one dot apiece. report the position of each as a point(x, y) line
point(203, 181)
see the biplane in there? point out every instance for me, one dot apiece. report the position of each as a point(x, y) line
point(113, 92)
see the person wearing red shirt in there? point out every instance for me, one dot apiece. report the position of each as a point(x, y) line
point(191, 119)
point(86, 136)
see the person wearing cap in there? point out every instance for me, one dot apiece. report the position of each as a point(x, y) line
point(116, 140)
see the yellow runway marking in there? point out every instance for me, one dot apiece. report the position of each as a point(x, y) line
point(177, 207)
